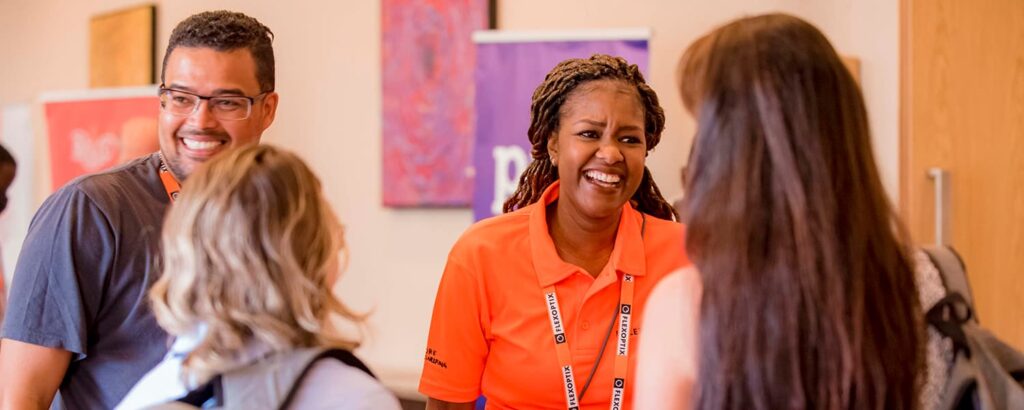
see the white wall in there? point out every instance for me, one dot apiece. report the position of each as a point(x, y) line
point(328, 62)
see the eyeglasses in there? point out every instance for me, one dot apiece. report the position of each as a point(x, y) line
point(229, 107)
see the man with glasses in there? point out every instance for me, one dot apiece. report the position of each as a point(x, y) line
point(78, 318)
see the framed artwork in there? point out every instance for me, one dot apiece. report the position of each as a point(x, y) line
point(122, 48)
point(852, 64)
point(428, 59)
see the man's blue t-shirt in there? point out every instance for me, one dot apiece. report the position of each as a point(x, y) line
point(82, 277)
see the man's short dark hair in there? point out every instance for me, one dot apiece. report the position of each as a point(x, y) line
point(223, 30)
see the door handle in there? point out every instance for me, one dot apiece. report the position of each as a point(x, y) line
point(941, 179)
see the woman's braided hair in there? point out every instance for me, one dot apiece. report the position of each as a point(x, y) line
point(545, 111)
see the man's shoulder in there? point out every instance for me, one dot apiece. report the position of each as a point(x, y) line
point(124, 182)
point(144, 169)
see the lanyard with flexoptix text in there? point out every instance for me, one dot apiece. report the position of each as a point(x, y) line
point(170, 182)
point(621, 351)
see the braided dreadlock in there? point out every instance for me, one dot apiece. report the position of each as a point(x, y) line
point(545, 110)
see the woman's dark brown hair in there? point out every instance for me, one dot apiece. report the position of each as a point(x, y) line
point(546, 109)
point(809, 297)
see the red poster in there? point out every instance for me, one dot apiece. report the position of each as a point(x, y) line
point(91, 135)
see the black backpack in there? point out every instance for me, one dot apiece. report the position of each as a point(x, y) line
point(986, 373)
point(270, 383)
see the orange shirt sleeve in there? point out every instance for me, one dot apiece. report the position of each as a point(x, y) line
point(457, 346)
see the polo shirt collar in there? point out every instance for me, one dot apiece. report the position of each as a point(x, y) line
point(627, 256)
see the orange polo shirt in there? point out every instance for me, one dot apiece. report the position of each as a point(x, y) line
point(490, 331)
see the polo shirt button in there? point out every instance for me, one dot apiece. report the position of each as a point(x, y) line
point(586, 325)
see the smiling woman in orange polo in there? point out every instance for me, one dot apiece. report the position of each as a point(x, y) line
point(539, 308)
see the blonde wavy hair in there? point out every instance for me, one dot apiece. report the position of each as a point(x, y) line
point(250, 250)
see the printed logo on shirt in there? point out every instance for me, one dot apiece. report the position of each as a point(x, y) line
point(431, 357)
point(560, 338)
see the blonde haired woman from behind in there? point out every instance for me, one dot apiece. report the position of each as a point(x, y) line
point(250, 256)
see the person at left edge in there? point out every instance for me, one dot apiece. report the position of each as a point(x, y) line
point(78, 318)
point(587, 226)
point(8, 169)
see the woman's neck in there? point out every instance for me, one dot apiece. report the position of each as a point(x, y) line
point(582, 241)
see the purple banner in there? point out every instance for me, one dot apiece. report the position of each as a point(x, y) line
point(506, 75)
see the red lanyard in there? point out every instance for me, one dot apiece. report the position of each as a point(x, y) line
point(621, 351)
point(171, 184)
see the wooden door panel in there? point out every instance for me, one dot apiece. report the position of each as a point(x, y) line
point(963, 110)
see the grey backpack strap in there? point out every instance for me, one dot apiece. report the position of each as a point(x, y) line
point(986, 373)
point(273, 381)
point(989, 378)
point(344, 356)
point(951, 268)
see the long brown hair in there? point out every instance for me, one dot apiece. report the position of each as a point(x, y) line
point(546, 110)
point(809, 297)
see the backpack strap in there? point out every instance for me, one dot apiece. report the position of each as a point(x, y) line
point(992, 377)
point(200, 395)
point(344, 356)
point(985, 373)
point(950, 313)
point(272, 382)
point(948, 316)
point(951, 269)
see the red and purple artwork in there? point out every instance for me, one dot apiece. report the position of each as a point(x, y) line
point(428, 61)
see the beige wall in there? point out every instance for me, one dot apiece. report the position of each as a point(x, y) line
point(329, 80)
